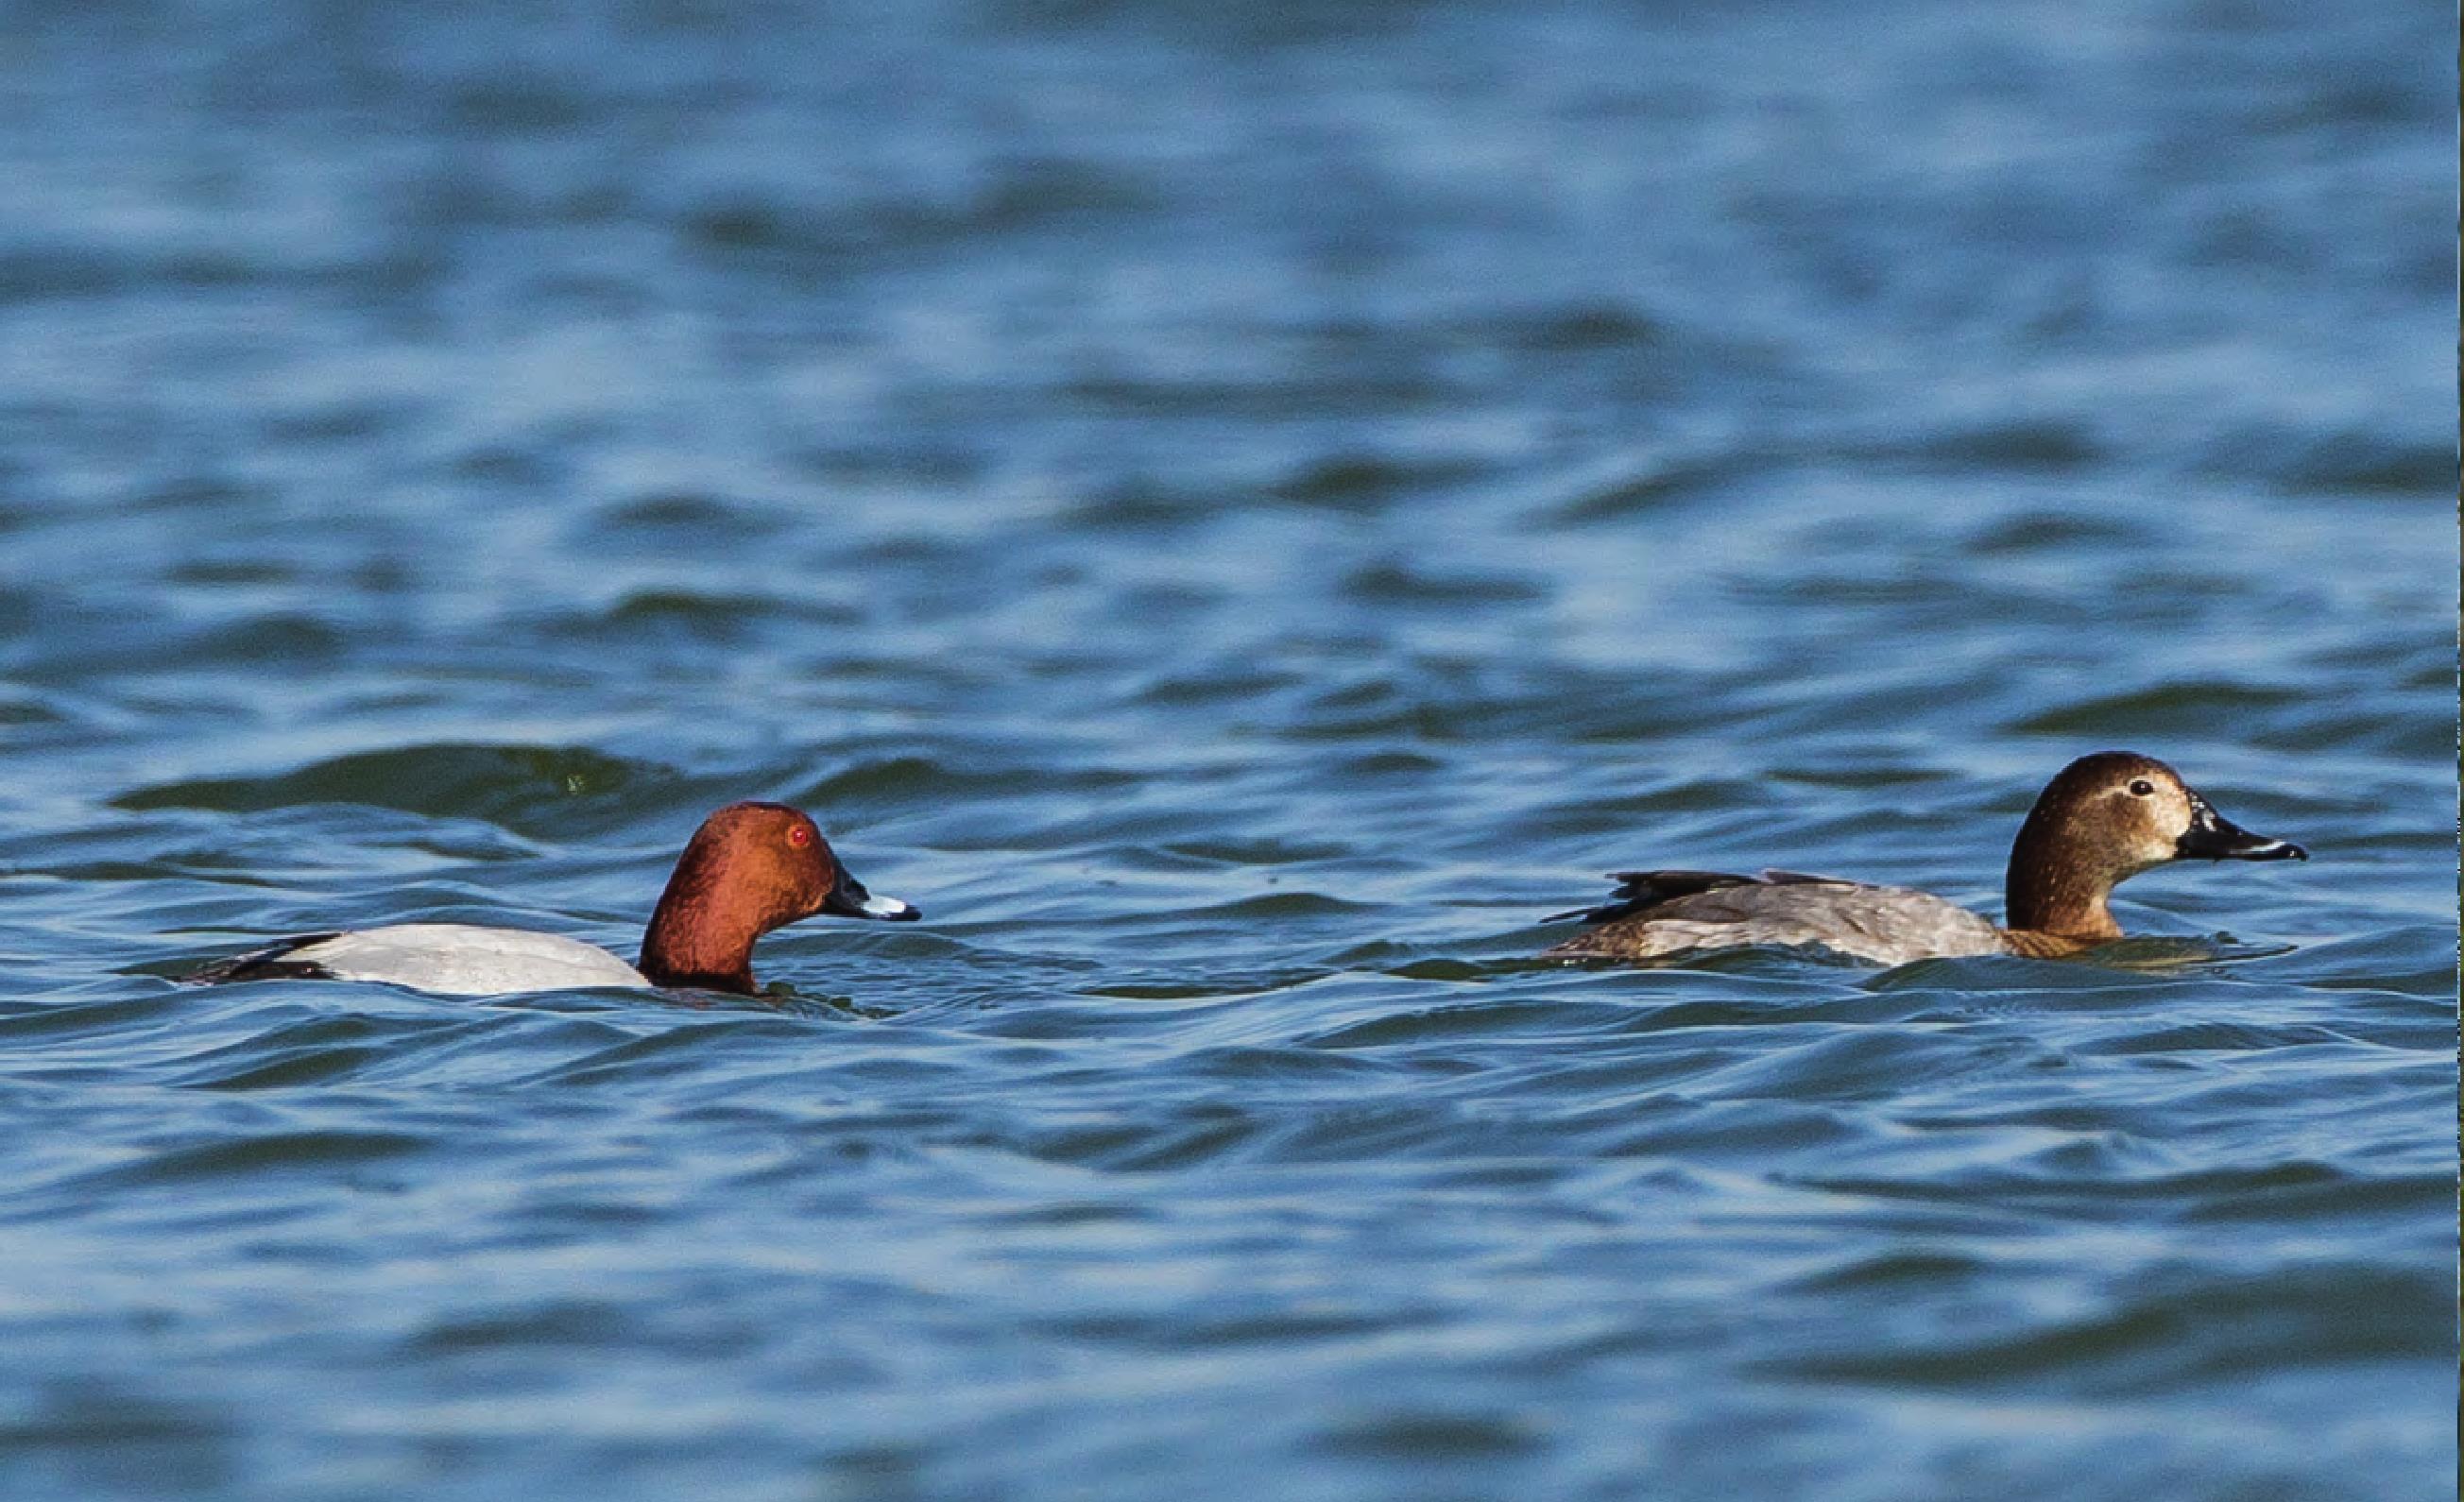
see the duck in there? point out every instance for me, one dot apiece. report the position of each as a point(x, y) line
point(751, 867)
point(2103, 819)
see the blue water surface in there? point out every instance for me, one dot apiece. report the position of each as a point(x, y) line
point(1239, 512)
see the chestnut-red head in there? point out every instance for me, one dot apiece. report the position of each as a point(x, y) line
point(749, 869)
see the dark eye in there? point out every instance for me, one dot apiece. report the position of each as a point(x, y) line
point(2142, 789)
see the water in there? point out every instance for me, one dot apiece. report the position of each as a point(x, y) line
point(1237, 511)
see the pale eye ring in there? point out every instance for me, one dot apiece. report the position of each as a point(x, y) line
point(2142, 787)
point(799, 836)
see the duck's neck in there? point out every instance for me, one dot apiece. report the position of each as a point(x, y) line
point(695, 942)
point(2042, 895)
point(2041, 945)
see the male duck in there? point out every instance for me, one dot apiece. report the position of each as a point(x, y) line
point(2103, 819)
point(749, 869)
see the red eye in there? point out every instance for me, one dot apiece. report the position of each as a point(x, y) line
point(799, 836)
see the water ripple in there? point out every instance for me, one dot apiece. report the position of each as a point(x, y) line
point(1237, 511)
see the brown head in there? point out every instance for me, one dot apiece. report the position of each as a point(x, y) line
point(749, 869)
point(2102, 820)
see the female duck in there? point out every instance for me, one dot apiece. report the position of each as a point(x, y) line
point(2103, 819)
point(751, 867)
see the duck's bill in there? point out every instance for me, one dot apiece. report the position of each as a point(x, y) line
point(849, 899)
point(2211, 836)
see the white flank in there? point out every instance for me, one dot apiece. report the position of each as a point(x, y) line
point(465, 959)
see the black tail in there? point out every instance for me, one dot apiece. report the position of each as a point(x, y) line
point(272, 963)
point(1640, 890)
